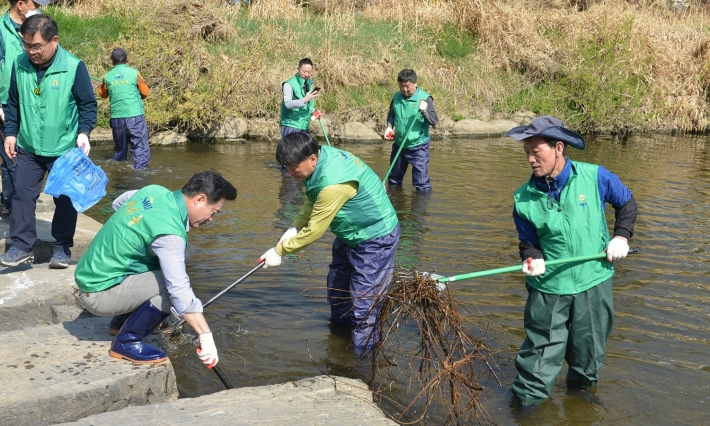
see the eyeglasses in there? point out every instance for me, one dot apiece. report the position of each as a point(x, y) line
point(550, 200)
point(34, 47)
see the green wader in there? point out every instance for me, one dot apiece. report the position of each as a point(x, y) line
point(570, 327)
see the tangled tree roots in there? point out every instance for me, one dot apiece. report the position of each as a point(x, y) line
point(428, 353)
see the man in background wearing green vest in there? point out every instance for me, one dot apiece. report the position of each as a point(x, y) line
point(10, 49)
point(135, 266)
point(51, 109)
point(126, 89)
point(414, 107)
point(559, 213)
point(344, 193)
point(298, 99)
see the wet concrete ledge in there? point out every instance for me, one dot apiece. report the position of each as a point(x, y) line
point(321, 400)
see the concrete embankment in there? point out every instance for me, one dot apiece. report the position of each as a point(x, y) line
point(55, 365)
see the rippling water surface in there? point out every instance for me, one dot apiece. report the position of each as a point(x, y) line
point(274, 327)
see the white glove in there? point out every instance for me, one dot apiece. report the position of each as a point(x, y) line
point(422, 106)
point(290, 232)
point(618, 248)
point(2, 115)
point(534, 267)
point(389, 134)
point(82, 141)
point(270, 258)
point(207, 351)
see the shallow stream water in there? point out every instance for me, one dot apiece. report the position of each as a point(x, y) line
point(273, 327)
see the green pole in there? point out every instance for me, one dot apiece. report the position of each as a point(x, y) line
point(95, 79)
point(323, 129)
point(404, 141)
point(517, 268)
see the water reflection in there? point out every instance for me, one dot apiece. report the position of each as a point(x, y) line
point(656, 369)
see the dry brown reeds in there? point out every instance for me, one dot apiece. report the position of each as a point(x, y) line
point(428, 362)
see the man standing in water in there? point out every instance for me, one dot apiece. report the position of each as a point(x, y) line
point(559, 213)
point(343, 193)
point(126, 89)
point(10, 49)
point(135, 266)
point(411, 106)
point(298, 99)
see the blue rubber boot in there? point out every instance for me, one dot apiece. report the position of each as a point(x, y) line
point(117, 322)
point(128, 343)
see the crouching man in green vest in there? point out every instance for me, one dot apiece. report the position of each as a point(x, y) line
point(344, 193)
point(559, 213)
point(135, 266)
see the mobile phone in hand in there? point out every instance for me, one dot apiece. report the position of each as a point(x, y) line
point(316, 90)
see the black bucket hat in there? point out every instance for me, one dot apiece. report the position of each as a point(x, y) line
point(547, 127)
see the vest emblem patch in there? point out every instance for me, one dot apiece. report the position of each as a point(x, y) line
point(582, 200)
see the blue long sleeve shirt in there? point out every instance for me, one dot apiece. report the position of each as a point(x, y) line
point(82, 90)
point(611, 191)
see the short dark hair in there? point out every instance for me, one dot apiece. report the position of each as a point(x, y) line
point(212, 184)
point(295, 148)
point(406, 75)
point(305, 61)
point(42, 24)
point(553, 143)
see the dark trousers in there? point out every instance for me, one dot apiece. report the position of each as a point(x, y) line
point(7, 168)
point(135, 131)
point(418, 157)
point(570, 327)
point(30, 173)
point(358, 275)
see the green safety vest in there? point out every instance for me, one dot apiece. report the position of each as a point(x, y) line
point(579, 229)
point(12, 42)
point(369, 214)
point(122, 84)
point(298, 118)
point(49, 115)
point(406, 109)
point(122, 246)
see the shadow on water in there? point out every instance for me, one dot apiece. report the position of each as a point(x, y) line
point(268, 330)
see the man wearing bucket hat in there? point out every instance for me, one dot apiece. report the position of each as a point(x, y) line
point(559, 213)
point(10, 49)
point(126, 89)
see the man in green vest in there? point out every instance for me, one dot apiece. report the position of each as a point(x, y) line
point(126, 89)
point(10, 49)
point(135, 266)
point(343, 193)
point(51, 109)
point(559, 213)
point(298, 99)
point(411, 108)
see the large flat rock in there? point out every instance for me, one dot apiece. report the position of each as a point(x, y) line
point(62, 373)
point(322, 400)
point(32, 295)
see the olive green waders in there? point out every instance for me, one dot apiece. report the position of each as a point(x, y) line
point(570, 327)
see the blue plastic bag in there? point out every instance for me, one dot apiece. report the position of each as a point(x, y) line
point(74, 175)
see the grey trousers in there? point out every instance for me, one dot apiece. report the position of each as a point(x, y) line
point(129, 295)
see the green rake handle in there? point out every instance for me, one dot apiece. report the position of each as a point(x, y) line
point(516, 268)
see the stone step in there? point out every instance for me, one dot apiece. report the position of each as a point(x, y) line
point(62, 373)
point(321, 400)
point(32, 295)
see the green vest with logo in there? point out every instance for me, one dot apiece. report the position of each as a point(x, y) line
point(576, 226)
point(369, 214)
point(298, 118)
point(12, 42)
point(406, 110)
point(122, 84)
point(122, 246)
point(49, 115)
